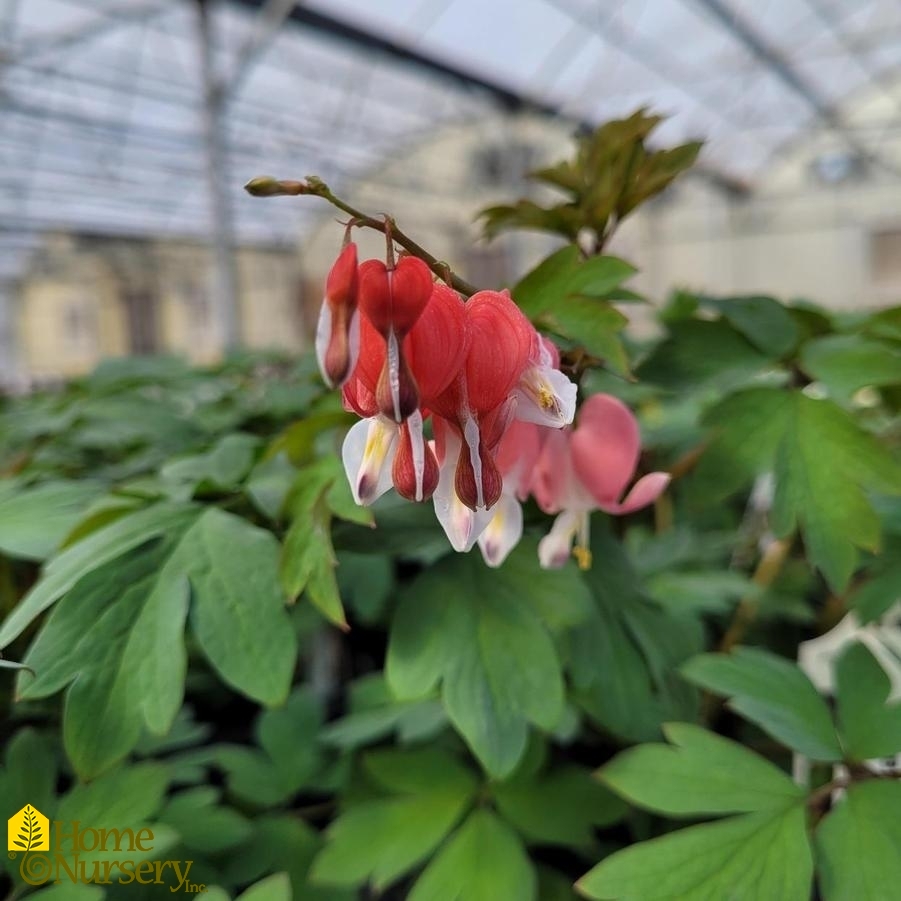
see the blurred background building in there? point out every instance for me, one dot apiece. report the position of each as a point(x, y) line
point(128, 127)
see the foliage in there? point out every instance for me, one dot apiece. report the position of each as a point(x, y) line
point(310, 699)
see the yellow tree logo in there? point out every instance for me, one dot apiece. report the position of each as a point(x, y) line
point(28, 830)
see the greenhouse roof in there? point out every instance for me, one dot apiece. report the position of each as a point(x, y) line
point(106, 121)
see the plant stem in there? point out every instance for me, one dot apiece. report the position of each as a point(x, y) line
point(765, 574)
point(265, 186)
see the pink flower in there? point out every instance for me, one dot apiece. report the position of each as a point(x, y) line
point(589, 468)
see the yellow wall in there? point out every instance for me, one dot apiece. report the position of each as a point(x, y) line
point(71, 312)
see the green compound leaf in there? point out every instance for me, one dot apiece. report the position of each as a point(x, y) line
point(699, 773)
point(561, 807)
point(117, 637)
point(379, 840)
point(483, 861)
point(756, 857)
point(823, 464)
point(476, 631)
point(773, 693)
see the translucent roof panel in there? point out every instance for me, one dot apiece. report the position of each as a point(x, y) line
point(102, 101)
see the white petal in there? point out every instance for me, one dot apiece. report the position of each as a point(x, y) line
point(473, 438)
point(461, 525)
point(503, 532)
point(555, 548)
point(323, 337)
point(546, 397)
point(393, 361)
point(417, 445)
point(368, 452)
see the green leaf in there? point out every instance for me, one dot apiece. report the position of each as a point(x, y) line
point(847, 363)
point(882, 590)
point(563, 219)
point(407, 718)
point(698, 353)
point(859, 844)
point(762, 320)
point(699, 773)
point(117, 636)
point(869, 726)
point(124, 798)
point(380, 840)
point(34, 521)
point(554, 886)
point(483, 861)
point(564, 294)
point(559, 808)
point(281, 842)
point(72, 892)
point(474, 629)
point(416, 772)
point(86, 642)
point(251, 774)
point(222, 467)
point(30, 773)
point(823, 463)
point(566, 274)
point(756, 857)
point(592, 324)
point(288, 734)
point(885, 324)
point(366, 583)
point(238, 610)
point(699, 591)
point(203, 824)
point(308, 559)
point(276, 887)
point(773, 693)
point(77, 560)
point(623, 658)
point(269, 483)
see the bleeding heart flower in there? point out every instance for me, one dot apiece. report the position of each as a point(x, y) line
point(588, 468)
point(338, 328)
point(430, 353)
point(393, 300)
point(477, 403)
point(545, 395)
point(517, 455)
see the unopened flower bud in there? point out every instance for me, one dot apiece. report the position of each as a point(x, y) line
point(477, 480)
point(396, 393)
point(415, 470)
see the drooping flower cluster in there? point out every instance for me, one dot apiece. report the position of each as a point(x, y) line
point(406, 350)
